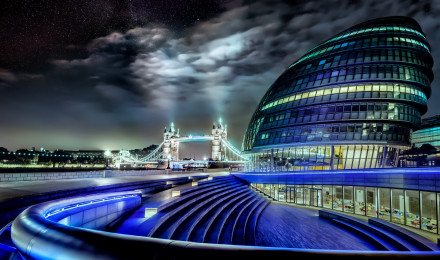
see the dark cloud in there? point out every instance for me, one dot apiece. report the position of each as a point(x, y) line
point(129, 84)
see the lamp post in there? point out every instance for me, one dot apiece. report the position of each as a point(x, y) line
point(169, 161)
point(107, 155)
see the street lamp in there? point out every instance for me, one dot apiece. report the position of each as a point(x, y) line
point(107, 155)
point(169, 161)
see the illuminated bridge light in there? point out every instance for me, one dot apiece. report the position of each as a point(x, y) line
point(351, 102)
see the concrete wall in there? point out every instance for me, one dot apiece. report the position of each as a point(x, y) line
point(35, 176)
point(38, 176)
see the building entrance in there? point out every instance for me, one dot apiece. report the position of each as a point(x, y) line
point(316, 197)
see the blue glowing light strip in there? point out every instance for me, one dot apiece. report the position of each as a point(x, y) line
point(81, 204)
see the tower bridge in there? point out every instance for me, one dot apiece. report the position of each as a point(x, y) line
point(167, 152)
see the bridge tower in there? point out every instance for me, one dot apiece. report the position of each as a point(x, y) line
point(170, 144)
point(219, 132)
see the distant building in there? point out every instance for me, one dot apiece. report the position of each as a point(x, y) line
point(429, 134)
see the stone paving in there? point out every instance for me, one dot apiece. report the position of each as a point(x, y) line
point(294, 227)
point(9, 190)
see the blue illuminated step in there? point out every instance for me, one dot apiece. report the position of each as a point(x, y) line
point(208, 185)
point(163, 227)
point(215, 180)
point(181, 228)
point(251, 224)
point(198, 228)
point(395, 241)
point(172, 203)
point(241, 222)
point(374, 240)
point(418, 241)
point(214, 231)
point(228, 226)
point(203, 228)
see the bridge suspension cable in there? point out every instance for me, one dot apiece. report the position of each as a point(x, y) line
point(154, 155)
point(234, 150)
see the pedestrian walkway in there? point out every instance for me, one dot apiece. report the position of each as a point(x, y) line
point(9, 190)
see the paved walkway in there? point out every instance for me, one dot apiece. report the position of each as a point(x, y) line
point(431, 236)
point(9, 190)
point(294, 227)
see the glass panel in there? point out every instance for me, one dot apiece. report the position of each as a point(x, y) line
point(348, 199)
point(306, 196)
point(299, 196)
point(289, 195)
point(337, 198)
point(275, 191)
point(412, 207)
point(267, 189)
point(282, 192)
point(359, 204)
point(327, 190)
point(397, 205)
point(438, 208)
point(429, 218)
point(384, 204)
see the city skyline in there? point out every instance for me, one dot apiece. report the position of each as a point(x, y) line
point(112, 76)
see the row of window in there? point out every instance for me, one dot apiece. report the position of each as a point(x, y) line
point(251, 133)
point(417, 209)
point(360, 128)
point(365, 43)
point(431, 136)
point(342, 75)
point(374, 30)
point(336, 131)
point(347, 111)
point(349, 96)
point(357, 91)
point(363, 56)
point(320, 157)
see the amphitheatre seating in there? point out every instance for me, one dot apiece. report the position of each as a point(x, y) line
point(420, 242)
point(383, 235)
point(167, 221)
point(221, 210)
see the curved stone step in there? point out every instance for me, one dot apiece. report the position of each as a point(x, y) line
point(240, 222)
point(200, 232)
point(251, 224)
point(421, 243)
point(180, 229)
point(200, 223)
point(225, 235)
point(371, 238)
point(215, 180)
point(214, 228)
point(397, 242)
point(162, 227)
point(175, 202)
point(201, 187)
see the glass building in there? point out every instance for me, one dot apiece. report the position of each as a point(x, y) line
point(351, 102)
point(413, 208)
point(429, 134)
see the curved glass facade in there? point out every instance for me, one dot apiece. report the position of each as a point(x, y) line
point(351, 102)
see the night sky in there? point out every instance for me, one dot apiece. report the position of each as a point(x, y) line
point(111, 74)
